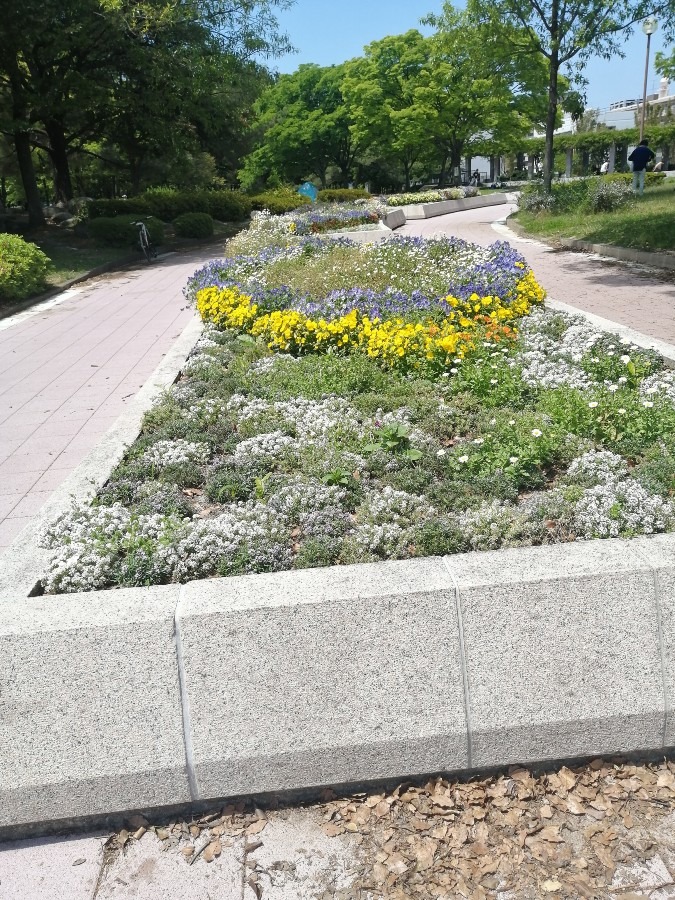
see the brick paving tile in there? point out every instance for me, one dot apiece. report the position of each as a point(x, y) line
point(68, 371)
point(10, 528)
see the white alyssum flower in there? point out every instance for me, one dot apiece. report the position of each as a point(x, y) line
point(175, 453)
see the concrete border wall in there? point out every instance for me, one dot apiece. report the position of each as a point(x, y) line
point(443, 207)
point(119, 700)
point(663, 260)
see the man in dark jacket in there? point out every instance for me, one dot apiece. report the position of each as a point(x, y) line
point(640, 157)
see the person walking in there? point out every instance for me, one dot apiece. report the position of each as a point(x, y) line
point(604, 167)
point(640, 157)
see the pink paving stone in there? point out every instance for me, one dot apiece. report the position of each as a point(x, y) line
point(624, 294)
point(17, 483)
point(68, 372)
point(30, 504)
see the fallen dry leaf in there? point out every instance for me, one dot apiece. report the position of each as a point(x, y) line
point(211, 851)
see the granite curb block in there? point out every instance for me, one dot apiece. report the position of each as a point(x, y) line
point(625, 254)
point(365, 236)
point(121, 700)
point(443, 207)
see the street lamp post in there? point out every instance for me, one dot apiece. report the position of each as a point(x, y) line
point(649, 26)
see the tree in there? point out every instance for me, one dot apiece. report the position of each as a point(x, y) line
point(303, 128)
point(140, 73)
point(473, 93)
point(378, 91)
point(565, 33)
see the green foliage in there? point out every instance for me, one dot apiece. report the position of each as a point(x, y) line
point(279, 201)
point(342, 195)
point(23, 268)
point(120, 231)
point(608, 196)
point(305, 129)
point(394, 438)
point(194, 225)
point(110, 208)
point(224, 206)
point(651, 178)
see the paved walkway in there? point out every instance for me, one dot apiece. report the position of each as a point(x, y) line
point(68, 367)
point(628, 294)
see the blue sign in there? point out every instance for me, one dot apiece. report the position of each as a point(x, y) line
point(309, 190)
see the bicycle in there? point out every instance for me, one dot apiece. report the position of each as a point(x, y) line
point(144, 243)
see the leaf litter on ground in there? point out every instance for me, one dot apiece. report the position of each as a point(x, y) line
point(586, 831)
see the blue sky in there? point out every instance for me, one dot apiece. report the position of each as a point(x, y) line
point(328, 33)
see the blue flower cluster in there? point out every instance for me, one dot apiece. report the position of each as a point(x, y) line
point(459, 269)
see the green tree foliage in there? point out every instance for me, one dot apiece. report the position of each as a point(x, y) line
point(304, 127)
point(435, 99)
point(565, 34)
point(148, 78)
point(379, 90)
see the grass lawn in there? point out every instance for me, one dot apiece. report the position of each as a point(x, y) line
point(648, 224)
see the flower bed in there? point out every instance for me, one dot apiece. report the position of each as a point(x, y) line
point(437, 196)
point(327, 417)
point(324, 217)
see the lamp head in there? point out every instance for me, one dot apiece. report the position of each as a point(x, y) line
point(650, 25)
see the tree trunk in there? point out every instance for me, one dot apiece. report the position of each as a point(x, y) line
point(58, 152)
point(554, 65)
point(443, 172)
point(36, 216)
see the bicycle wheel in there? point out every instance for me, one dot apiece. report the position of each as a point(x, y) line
point(145, 245)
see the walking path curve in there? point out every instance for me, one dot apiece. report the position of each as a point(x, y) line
point(631, 295)
point(69, 367)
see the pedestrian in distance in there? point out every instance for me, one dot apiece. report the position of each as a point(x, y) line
point(640, 157)
point(604, 167)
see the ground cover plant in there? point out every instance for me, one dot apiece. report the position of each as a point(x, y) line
point(23, 268)
point(476, 420)
point(431, 196)
point(610, 214)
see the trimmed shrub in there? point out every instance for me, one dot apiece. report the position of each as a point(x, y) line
point(110, 208)
point(279, 202)
point(533, 199)
point(226, 206)
point(342, 195)
point(651, 178)
point(194, 225)
point(570, 195)
point(23, 268)
point(606, 196)
point(120, 232)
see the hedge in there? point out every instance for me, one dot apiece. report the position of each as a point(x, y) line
point(279, 202)
point(119, 231)
point(194, 225)
point(23, 268)
point(111, 208)
point(342, 195)
point(225, 206)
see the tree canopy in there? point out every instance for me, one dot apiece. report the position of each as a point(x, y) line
point(565, 34)
point(140, 80)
